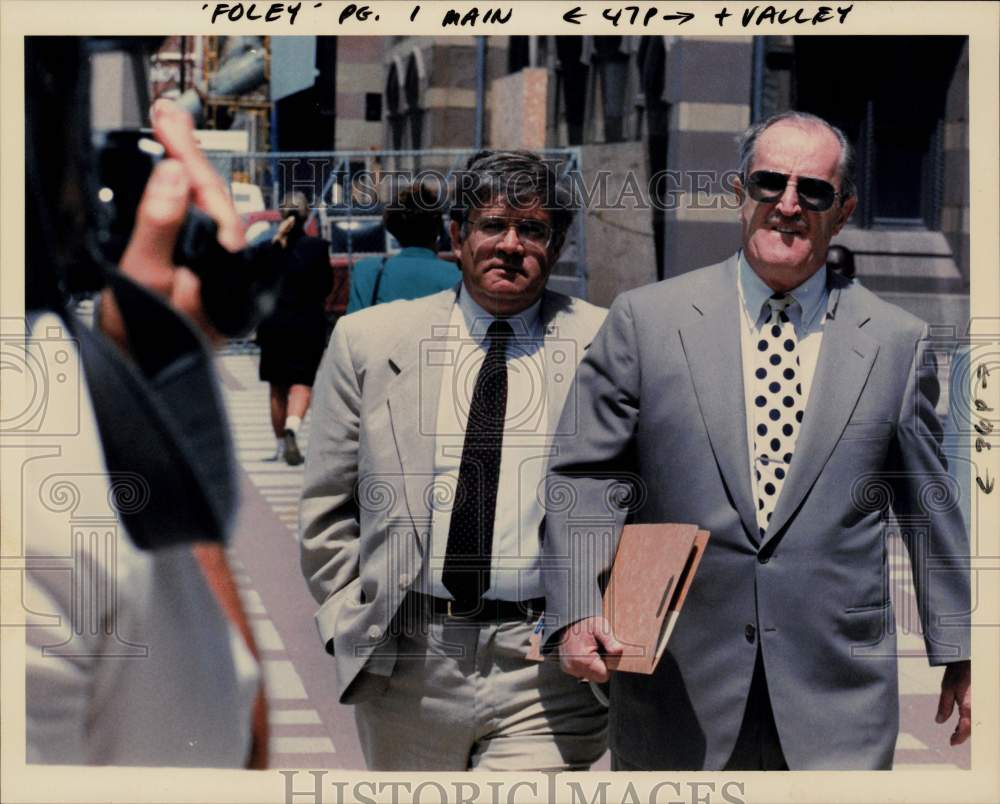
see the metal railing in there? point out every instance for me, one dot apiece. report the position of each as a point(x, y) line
point(345, 189)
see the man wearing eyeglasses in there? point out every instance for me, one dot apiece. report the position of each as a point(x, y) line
point(786, 410)
point(422, 505)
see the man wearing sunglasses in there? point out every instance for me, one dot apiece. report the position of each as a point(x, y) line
point(422, 503)
point(786, 410)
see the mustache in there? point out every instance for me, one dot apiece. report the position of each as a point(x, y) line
point(512, 266)
point(796, 222)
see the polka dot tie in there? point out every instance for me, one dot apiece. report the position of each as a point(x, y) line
point(466, 572)
point(777, 406)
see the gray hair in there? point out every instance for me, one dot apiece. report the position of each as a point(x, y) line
point(748, 146)
point(520, 179)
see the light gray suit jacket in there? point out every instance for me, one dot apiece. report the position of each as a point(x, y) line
point(368, 490)
point(660, 403)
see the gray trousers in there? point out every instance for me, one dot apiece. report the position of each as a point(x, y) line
point(464, 697)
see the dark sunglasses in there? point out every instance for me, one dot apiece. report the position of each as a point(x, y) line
point(767, 187)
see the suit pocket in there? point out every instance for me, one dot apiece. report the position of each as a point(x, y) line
point(868, 431)
point(865, 609)
point(328, 615)
point(868, 625)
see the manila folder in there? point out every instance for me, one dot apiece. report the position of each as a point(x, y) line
point(651, 574)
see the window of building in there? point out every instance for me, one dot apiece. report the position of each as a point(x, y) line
point(414, 113)
point(889, 96)
point(571, 86)
point(394, 114)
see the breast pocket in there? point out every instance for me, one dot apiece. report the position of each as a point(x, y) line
point(868, 431)
point(862, 448)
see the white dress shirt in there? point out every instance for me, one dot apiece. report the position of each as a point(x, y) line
point(515, 572)
point(807, 314)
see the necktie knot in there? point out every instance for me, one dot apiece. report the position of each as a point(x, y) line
point(499, 332)
point(780, 302)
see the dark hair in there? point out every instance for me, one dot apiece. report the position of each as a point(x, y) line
point(61, 253)
point(748, 146)
point(414, 215)
point(520, 179)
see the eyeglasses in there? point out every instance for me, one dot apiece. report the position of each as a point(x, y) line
point(529, 230)
point(767, 187)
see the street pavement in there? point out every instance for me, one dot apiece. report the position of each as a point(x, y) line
point(309, 729)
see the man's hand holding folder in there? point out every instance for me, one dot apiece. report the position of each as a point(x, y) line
point(585, 646)
point(653, 568)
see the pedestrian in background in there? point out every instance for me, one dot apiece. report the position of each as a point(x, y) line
point(293, 337)
point(414, 219)
point(841, 258)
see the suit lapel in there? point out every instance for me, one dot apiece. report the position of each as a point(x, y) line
point(712, 349)
point(565, 342)
point(417, 360)
point(845, 361)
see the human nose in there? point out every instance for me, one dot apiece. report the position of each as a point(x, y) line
point(510, 240)
point(788, 203)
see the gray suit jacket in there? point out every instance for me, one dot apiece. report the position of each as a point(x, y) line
point(368, 490)
point(660, 405)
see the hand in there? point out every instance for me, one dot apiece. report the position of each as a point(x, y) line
point(281, 236)
point(956, 688)
point(183, 176)
point(582, 646)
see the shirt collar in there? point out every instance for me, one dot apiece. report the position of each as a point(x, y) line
point(477, 320)
point(810, 297)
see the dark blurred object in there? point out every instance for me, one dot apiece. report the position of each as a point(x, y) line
point(841, 259)
point(415, 216)
point(151, 421)
point(236, 287)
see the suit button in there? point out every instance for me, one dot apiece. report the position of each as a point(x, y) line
point(762, 558)
point(404, 580)
point(374, 632)
point(750, 632)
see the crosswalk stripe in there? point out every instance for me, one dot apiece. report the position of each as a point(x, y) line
point(293, 717)
point(282, 680)
point(301, 745)
point(907, 742)
point(266, 635)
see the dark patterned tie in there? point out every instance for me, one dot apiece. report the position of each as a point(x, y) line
point(777, 404)
point(466, 571)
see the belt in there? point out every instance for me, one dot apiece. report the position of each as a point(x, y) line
point(482, 610)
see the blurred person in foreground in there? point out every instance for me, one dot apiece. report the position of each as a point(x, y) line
point(421, 512)
point(413, 217)
point(292, 338)
point(786, 410)
point(138, 651)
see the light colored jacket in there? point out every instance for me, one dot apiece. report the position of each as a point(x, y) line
point(368, 491)
point(660, 404)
